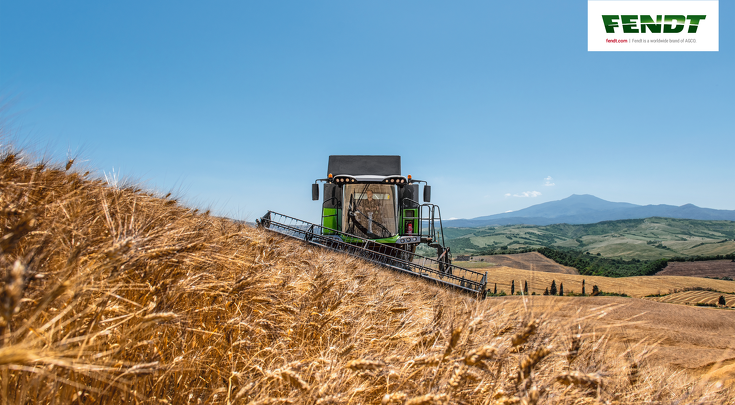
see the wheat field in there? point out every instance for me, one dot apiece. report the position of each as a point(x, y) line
point(697, 297)
point(113, 294)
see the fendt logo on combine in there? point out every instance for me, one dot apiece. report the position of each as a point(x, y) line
point(640, 24)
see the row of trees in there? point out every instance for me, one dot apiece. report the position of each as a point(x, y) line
point(552, 290)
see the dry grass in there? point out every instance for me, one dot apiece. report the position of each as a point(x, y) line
point(115, 295)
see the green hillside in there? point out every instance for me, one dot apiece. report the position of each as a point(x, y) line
point(642, 239)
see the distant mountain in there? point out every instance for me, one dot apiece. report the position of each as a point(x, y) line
point(587, 209)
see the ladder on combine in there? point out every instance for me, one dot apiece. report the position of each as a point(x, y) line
point(388, 256)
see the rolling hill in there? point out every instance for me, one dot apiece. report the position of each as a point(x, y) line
point(526, 261)
point(642, 239)
point(587, 209)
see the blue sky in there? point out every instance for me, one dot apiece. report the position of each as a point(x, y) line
point(237, 105)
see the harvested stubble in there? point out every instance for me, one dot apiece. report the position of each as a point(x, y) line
point(116, 295)
point(696, 297)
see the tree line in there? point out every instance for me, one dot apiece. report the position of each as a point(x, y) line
point(551, 290)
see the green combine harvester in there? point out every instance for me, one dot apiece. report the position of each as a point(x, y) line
point(370, 210)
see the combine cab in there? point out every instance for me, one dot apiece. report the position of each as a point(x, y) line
point(370, 210)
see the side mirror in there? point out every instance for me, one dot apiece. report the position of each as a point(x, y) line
point(315, 192)
point(427, 193)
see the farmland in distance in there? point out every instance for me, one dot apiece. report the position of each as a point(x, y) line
point(639, 286)
point(525, 261)
point(708, 298)
point(709, 268)
point(642, 239)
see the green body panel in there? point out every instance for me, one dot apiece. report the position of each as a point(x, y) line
point(409, 213)
point(392, 239)
point(330, 219)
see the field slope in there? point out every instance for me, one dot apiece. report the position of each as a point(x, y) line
point(115, 295)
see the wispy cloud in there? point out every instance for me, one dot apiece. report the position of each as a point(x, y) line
point(526, 194)
point(549, 181)
point(507, 194)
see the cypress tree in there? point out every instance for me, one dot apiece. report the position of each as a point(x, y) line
point(546, 291)
point(512, 287)
point(583, 287)
point(595, 290)
point(722, 301)
point(561, 289)
point(525, 287)
point(495, 291)
point(553, 291)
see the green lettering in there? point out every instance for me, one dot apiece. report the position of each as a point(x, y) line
point(670, 28)
point(694, 22)
point(630, 23)
point(647, 22)
point(610, 24)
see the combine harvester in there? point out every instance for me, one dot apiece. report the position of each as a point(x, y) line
point(371, 211)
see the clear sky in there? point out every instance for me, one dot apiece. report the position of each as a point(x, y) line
point(237, 105)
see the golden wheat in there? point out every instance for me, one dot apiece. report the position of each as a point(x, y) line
point(112, 294)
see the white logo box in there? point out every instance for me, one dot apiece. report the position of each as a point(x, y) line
point(705, 39)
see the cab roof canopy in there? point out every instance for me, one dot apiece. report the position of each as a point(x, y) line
point(364, 165)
